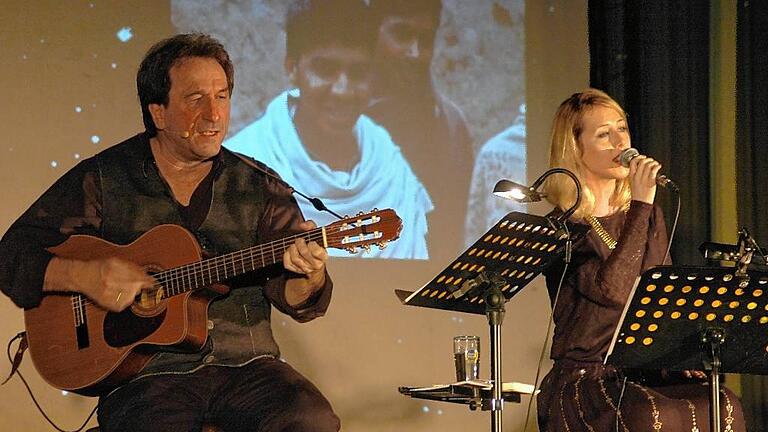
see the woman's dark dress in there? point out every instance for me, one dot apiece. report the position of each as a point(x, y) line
point(580, 393)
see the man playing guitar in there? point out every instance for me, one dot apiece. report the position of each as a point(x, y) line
point(176, 172)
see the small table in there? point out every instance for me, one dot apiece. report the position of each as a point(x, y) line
point(476, 394)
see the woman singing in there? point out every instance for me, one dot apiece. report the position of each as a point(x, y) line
point(627, 236)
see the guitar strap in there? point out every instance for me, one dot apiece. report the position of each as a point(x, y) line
point(23, 345)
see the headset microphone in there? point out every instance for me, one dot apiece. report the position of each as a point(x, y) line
point(183, 134)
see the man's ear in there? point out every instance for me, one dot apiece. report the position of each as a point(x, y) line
point(158, 115)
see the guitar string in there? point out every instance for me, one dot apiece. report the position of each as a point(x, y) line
point(186, 272)
point(252, 255)
point(246, 260)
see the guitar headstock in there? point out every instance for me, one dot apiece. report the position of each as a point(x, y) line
point(376, 228)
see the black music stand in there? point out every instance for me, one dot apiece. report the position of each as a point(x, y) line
point(495, 268)
point(686, 318)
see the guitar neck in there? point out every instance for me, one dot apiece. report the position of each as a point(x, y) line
point(179, 280)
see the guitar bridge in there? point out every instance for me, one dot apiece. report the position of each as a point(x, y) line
point(81, 321)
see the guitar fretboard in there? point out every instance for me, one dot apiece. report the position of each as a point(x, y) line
point(207, 272)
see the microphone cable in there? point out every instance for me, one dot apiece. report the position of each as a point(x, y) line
point(663, 261)
point(674, 227)
point(618, 403)
point(317, 203)
point(550, 322)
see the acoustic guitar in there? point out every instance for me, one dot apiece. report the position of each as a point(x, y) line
point(80, 347)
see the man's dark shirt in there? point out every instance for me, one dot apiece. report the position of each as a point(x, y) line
point(119, 194)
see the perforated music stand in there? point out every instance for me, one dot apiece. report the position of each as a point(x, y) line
point(689, 318)
point(495, 268)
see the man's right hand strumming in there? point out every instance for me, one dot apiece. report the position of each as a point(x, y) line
point(111, 283)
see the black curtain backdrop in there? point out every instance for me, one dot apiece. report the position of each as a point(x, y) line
point(751, 160)
point(653, 58)
point(752, 117)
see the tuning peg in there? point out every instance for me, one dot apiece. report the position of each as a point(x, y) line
point(382, 245)
point(375, 209)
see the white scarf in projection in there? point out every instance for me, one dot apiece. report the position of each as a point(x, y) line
point(381, 179)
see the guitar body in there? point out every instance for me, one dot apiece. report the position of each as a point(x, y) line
point(78, 346)
point(87, 350)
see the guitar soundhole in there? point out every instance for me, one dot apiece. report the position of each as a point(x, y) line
point(149, 302)
point(125, 328)
point(153, 301)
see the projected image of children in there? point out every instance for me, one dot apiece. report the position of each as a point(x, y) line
point(316, 136)
point(429, 128)
point(380, 103)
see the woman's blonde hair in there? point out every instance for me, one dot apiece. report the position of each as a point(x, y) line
point(565, 152)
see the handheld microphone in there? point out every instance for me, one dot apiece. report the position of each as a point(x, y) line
point(627, 155)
